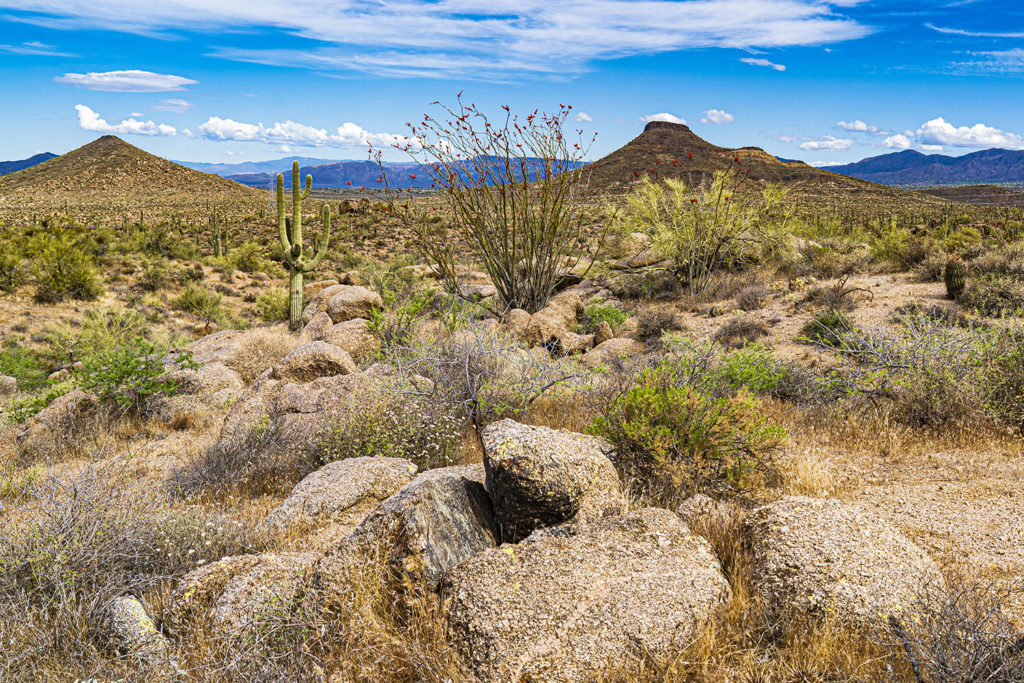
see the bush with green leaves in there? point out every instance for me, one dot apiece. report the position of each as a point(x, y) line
point(66, 269)
point(248, 257)
point(828, 327)
point(22, 364)
point(130, 374)
point(596, 313)
point(396, 323)
point(272, 305)
point(994, 295)
point(13, 269)
point(754, 368)
point(675, 440)
point(202, 302)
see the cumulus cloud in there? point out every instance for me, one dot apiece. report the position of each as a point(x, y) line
point(824, 164)
point(173, 104)
point(898, 141)
point(756, 61)
point(827, 143)
point(288, 133)
point(583, 117)
point(471, 38)
point(131, 80)
point(90, 120)
point(663, 116)
point(858, 126)
point(940, 132)
point(718, 117)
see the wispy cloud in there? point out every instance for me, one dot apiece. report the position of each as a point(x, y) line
point(757, 61)
point(35, 49)
point(583, 117)
point(975, 34)
point(473, 38)
point(995, 61)
point(90, 120)
point(131, 80)
point(717, 117)
point(824, 164)
point(826, 143)
point(289, 132)
point(663, 116)
point(858, 126)
point(173, 104)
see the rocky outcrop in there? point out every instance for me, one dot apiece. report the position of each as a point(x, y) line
point(311, 289)
point(341, 303)
point(64, 427)
point(314, 360)
point(353, 336)
point(571, 600)
point(826, 558)
point(548, 325)
point(439, 519)
point(612, 351)
point(129, 631)
point(340, 493)
point(540, 477)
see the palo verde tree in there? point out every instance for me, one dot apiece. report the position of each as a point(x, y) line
point(510, 190)
point(298, 260)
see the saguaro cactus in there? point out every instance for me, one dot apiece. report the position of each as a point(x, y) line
point(298, 260)
point(956, 277)
point(220, 235)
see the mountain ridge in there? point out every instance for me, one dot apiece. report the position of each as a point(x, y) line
point(7, 167)
point(910, 167)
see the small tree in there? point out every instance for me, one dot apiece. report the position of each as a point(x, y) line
point(706, 228)
point(512, 189)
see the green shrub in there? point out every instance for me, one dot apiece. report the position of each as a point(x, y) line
point(21, 410)
point(827, 327)
point(754, 368)
point(597, 313)
point(272, 305)
point(13, 269)
point(155, 275)
point(97, 330)
point(994, 295)
point(248, 257)
point(20, 363)
point(675, 440)
point(129, 374)
point(206, 304)
point(65, 269)
point(396, 323)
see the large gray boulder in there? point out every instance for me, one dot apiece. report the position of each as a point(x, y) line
point(540, 477)
point(314, 360)
point(318, 304)
point(352, 302)
point(570, 601)
point(129, 630)
point(826, 558)
point(340, 493)
point(63, 429)
point(353, 336)
point(553, 322)
point(439, 519)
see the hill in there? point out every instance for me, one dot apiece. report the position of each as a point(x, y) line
point(14, 166)
point(979, 195)
point(109, 170)
point(911, 167)
point(667, 148)
point(339, 174)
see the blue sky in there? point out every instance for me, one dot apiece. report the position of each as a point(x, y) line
point(239, 80)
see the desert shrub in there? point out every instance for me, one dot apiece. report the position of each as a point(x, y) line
point(130, 374)
point(1004, 260)
point(66, 270)
point(23, 365)
point(248, 257)
point(93, 332)
point(740, 331)
point(13, 269)
point(753, 367)
point(193, 274)
point(828, 327)
point(947, 316)
point(994, 295)
point(272, 305)
point(481, 169)
point(261, 350)
point(390, 424)
point(646, 285)
point(651, 325)
point(677, 441)
point(706, 229)
point(156, 275)
point(959, 633)
point(932, 268)
point(752, 297)
point(596, 313)
point(396, 323)
point(840, 295)
point(202, 302)
point(1003, 379)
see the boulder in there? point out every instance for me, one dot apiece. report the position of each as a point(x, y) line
point(129, 630)
point(570, 601)
point(611, 352)
point(207, 380)
point(266, 593)
point(340, 493)
point(199, 589)
point(352, 301)
point(219, 347)
point(313, 288)
point(353, 336)
point(826, 558)
point(540, 477)
point(548, 325)
point(603, 333)
point(478, 292)
point(318, 304)
point(516, 323)
point(439, 519)
point(314, 360)
point(571, 342)
point(8, 385)
point(68, 424)
point(316, 327)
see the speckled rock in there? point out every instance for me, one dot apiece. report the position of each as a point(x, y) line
point(314, 360)
point(570, 600)
point(268, 592)
point(352, 301)
point(311, 289)
point(318, 304)
point(612, 351)
point(8, 385)
point(353, 336)
point(823, 557)
point(515, 323)
point(130, 631)
point(199, 589)
point(340, 493)
point(548, 325)
point(603, 333)
point(539, 477)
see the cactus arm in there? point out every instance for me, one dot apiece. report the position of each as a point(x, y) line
point(325, 237)
point(309, 185)
point(282, 221)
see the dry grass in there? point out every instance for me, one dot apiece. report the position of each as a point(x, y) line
point(260, 350)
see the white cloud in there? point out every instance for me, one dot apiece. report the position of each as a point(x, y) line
point(90, 120)
point(291, 133)
point(756, 61)
point(939, 132)
point(824, 164)
point(583, 117)
point(827, 143)
point(663, 116)
point(34, 48)
point(858, 126)
point(174, 104)
point(471, 38)
point(131, 80)
point(975, 34)
point(718, 117)
point(898, 141)
point(931, 148)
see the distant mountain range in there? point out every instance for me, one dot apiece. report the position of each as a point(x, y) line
point(910, 167)
point(13, 166)
point(273, 166)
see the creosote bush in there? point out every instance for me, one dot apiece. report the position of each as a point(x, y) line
point(130, 375)
point(66, 269)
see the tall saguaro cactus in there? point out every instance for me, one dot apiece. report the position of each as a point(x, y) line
point(298, 260)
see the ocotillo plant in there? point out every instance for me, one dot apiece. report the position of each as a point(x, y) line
point(297, 260)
